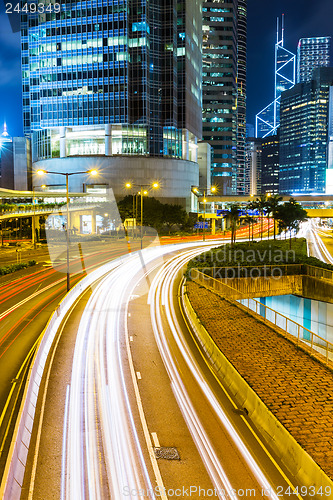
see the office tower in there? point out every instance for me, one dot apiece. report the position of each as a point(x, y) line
point(223, 96)
point(115, 85)
point(311, 54)
point(304, 135)
point(241, 98)
point(268, 119)
point(253, 150)
point(270, 164)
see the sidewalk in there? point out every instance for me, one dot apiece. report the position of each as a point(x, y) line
point(296, 388)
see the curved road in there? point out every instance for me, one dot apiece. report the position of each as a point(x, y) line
point(129, 385)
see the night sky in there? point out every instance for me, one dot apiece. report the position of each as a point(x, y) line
point(303, 18)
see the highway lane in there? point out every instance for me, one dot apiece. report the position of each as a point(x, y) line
point(320, 243)
point(99, 407)
point(246, 459)
point(120, 405)
point(26, 304)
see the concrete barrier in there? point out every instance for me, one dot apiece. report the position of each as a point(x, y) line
point(298, 462)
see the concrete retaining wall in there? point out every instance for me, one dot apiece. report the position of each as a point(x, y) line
point(298, 461)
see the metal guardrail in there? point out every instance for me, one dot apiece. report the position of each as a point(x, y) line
point(219, 272)
point(318, 272)
point(43, 210)
point(311, 339)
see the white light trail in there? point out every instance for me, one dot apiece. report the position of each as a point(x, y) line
point(162, 287)
point(101, 423)
point(100, 418)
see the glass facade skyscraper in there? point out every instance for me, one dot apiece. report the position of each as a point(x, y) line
point(304, 135)
point(113, 77)
point(311, 54)
point(241, 97)
point(224, 97)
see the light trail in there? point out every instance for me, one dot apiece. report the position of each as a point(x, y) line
point(101, 421)
point(320, 249)
point(161, 292)
point(98, 393)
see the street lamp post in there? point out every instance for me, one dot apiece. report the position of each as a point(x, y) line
point(34, 215)
point(142, 192)
point(67, 174)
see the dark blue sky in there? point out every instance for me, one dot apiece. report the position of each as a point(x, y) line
point(302, 18)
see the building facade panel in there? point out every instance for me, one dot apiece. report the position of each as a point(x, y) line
point(110, 78)
point(312, 53)
point(220, 90)
point(304, 135)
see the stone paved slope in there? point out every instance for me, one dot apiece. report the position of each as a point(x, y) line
point(296, 388)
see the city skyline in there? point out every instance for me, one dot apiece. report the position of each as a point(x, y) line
point(300, 21)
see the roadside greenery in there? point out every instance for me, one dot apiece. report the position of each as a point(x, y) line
point(261, 253)
point(11, 268)
point(164, 217)
point(288, 216)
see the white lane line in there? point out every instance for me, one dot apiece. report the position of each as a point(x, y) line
point(138, 374)
point(24, 301)
point(155, 440)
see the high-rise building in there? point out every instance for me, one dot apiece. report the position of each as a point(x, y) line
point(241, 97)
point(224, 60)
point(268, 119)
point(120, 81)
point(253, 166)
point(329, 171)
point(304, 135)
point(311, 54)
point(270, 164)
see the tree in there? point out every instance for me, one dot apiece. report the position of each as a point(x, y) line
point(234, 218)
point(261, 204)
point(273, 204)
point(249, 220)
point(252, 205)
point(290, 215)
point(160, 216)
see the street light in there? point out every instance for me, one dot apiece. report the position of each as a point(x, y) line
point(34, 214)
point(143, 192)
point(92, 172)
point(196, 191)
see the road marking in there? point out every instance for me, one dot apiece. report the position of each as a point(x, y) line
point(19, 304)
point(152, 457)
point(155, 439)
point(131, 338)
point(138, 374)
